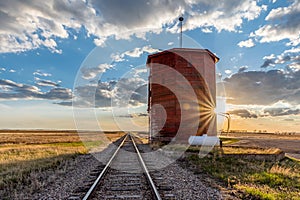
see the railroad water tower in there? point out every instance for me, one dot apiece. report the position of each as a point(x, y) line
point(197, 67)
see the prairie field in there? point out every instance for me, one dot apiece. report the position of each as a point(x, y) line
point(22, 153)
point(289, 144)
point(255, 179)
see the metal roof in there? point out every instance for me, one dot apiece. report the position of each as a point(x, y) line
point(174, 50)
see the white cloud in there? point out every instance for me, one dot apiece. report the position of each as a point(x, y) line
point(206, 30)
point(47, 83)
point(272, 56)
point(263, 87)
point(35, 24)
point(117, 57)
point(149, 49)
point(140, 72)
point(40, 73)
point(292, 50)
point(283, 24)
point(289, 58)
point(100, 41)
point(247, 43)
point(51, 44)
point(90, 73)
point(295, 67)
point(228, 71)
point(13, 91)
point(224, 15)
point(135, 53)
point(125, 92)
point(243, 69)
point(12, 71)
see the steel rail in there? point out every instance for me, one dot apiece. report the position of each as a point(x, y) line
point(95, 184)
point(149, 179)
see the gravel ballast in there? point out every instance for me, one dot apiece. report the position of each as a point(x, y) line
point(61, 182)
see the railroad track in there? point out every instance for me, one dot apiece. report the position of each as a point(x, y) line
point(125, 176)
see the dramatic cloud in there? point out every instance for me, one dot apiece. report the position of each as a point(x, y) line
point(247, 43)
point(13, 90)
point(58, 93)
point(242, 69)
point(90, 73)
point(27, 25)
point(122, 93)
point(290, 59)
point(268, 63)
point(295, 66)
point(222, 15)
point(64, 103)
point(134, 115)
point(275, 110)
point(283, 23)
point(49, 83)
point(289, 120)
point(281, 111)
point(263, 88)
point(244, 113)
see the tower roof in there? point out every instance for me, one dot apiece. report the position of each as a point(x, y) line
point(175, 50)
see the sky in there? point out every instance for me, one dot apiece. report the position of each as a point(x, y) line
point(81, 63)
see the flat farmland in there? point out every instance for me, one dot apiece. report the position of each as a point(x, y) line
point(290, 144)
point(23, 153)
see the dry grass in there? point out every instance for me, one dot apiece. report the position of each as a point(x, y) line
point(24, 154)
point(243, 150)
point(257, 179)
point(276, 169)
point(261, 135)
point(17, 153)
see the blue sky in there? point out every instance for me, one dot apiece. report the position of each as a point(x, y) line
point(52, 51)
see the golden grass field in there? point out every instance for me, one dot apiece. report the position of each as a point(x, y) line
point(24, 152)
point(261, 179)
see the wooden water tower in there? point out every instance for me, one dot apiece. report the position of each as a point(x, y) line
point(197, 66)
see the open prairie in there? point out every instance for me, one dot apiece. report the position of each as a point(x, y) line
point(22, 153)
point(290, 144)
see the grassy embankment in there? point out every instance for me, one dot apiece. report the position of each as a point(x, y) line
point(261, 179)
point(24, 154)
